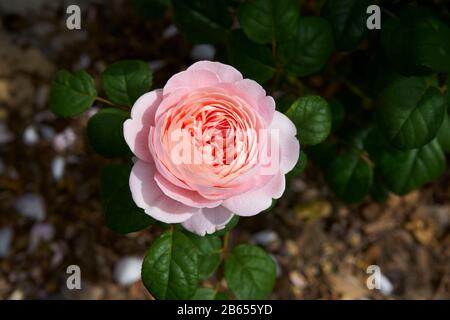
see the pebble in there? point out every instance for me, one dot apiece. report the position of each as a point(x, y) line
point(203, 52)
point(47, 132)
point(5, 135)
point(170, 32)
point(156, 65)
point(84, 62)
point(297, 279)
point(386, 286)
point(64, 140)
point(265, 237)
point(31, 205)
point(127, 270)
point(6, 235)
point(40, 232)
point(58, 167)
point(30, 136)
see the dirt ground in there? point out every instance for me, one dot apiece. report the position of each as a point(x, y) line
point(322, 247)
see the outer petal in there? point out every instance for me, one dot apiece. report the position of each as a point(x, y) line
point(224, 72)
point(208, 221)
point(188, 197)
point(189, 80)
point(288, 143)
point(255, 201)
point(136, 129)
point(148, 196)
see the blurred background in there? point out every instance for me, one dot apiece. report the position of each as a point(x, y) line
point(50, 213)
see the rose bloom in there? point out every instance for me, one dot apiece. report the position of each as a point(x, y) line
point(209, 145)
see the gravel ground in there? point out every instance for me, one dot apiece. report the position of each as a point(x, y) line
point(50, 215)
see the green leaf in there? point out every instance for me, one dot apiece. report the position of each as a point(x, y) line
point(151, 9)
point(72, 93)
point(125, 81)
point(105, 133)
point(250, 272)
point(254, 61)
point(312, 117)
point(410, 112)
point(337, 113)
point(348, 19)
point(309, 51)
point(443, 135)
point(269, 21)
point(202, 21)
point(209, 249)
point(121, 213)
point(417, 43)
point(230, 225)
point(350, 176)
point(170, 268)
point(204, 294)
point(379, 191)
point(404, 171)
point(209, 294)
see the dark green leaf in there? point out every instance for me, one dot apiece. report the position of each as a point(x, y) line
point(443, 135)
point(310, 49)
point(350, 176)
point(269, 21)
point(151, 9)
point(105, 133)
point(379, 191)
point(121, 213)
point(250, 272)
point(209, 249)
point(404, 171)
point(410, 112)
point(337, 113)
point(208, 294)
point(72, 93)
point(312, 117)
point(170, 268)
point(202, 20)
point(417, 44)
point(125, 81)
point(348, 19)
point(253, 60)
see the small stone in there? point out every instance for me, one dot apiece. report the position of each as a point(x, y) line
point(58, 167)
point(292, 248)
point(17, 295)
point(128, 270)
point(6, 136)
point(265, 237)
point(203, 52)
point(386, 286)
point(84, 62)
point(47, 132)
point(64, 140)
point(313, 210)
point(31, 205)
point(156, 65)
point(30, 136)
point(40, 232)
point(297, 279)
point(6, 235)
point(170, 32)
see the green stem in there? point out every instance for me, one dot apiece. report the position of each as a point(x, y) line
point(103, 100)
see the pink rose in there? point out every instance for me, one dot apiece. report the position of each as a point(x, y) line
point(208, 145)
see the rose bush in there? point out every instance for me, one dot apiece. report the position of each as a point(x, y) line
point(232, 121)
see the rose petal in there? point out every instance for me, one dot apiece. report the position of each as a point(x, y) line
point(208, 221)
point(288, 143)
point(255, 201)
point(148, 196)
point(224, 72)
point(136, 129)
point(188, 197)
point(190, 80)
